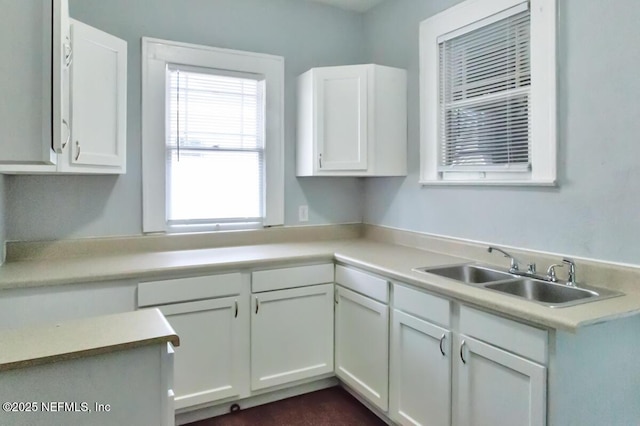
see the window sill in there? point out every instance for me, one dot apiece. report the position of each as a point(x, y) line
point(201, 228)
point(549, 183)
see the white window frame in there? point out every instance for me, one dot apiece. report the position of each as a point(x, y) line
point(156, 56)
point(543, 92)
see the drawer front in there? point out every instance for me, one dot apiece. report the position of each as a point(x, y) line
point(185, 289)
point(521, 339)
point(375, 287)
point(423, 305)
point(300, 276)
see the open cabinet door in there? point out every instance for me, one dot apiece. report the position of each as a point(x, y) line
point(98, 101)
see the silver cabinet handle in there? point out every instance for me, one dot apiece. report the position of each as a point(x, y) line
point(257, 304)
point(78, 150)
point(336, 297)
point(441, 342)
point(236, 314)
point(68, 133)
point(464, 361)
point(320, 159)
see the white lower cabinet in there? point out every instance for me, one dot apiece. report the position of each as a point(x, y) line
point(420, 372)
point(495, 387)
point(291, 335)
point(485, 371)
point(501, 371)
point(362, 345)
point(209, 362)
point(436, 363)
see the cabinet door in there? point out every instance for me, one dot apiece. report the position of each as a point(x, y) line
point(291, 335)
point(210, 359)
point(62, 57)
point(341, 118)
point(495, 387)
point(25, 84)
point(362, 345)
point(420, 372)
point(98, 100)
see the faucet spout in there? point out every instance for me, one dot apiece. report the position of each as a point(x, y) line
point(513, 267)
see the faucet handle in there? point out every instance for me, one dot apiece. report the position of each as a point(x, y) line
point(551, 272)
point(572, 271)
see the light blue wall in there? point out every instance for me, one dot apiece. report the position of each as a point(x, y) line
point(595, 211)
point(306, 34)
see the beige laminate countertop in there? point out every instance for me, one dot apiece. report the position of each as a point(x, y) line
point(393, 261)
point(31, 346)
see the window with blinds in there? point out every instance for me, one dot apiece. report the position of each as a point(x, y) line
point(214, 147)
point(484, 97)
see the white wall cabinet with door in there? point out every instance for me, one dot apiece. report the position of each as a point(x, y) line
point(362, 334)
point(420, 369)
point(210, 314)
point(352, 121)
point(69, 83)
point(291, 325)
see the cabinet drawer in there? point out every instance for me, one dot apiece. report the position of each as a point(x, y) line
point(513, 336)
point(185, 289)
point(423, 305)
point(300, 276)
point(364, 283)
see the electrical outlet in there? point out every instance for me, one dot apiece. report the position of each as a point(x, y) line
point(303, 213)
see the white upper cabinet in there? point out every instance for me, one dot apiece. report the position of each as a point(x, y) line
point(25, 83)
point(65, 93)
point(352, 121)
point(98, 102)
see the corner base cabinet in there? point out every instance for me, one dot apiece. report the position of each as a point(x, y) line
point(352, 121)
point(291, 324)
point(362, 334)
point(291, 335)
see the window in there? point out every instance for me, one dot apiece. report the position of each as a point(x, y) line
point(488, 94)
point(212, 138)
point(214, 141)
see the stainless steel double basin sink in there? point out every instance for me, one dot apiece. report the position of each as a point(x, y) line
point(554, 295)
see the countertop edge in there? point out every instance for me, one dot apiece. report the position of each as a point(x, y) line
point(52, 343)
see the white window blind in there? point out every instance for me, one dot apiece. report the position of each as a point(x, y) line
point(214, 147)
point(484, 98)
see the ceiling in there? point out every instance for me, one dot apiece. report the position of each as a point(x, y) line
point(357, 5)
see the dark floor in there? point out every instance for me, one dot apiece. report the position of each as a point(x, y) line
point(328, 407)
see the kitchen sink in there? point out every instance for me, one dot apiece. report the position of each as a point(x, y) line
point(551, 294)
point(467, 273)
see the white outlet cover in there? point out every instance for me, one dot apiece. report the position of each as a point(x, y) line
point(303, 213)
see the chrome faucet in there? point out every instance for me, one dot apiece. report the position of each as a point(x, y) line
point(551, 272)
point(514, 267)
point(571, 280)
